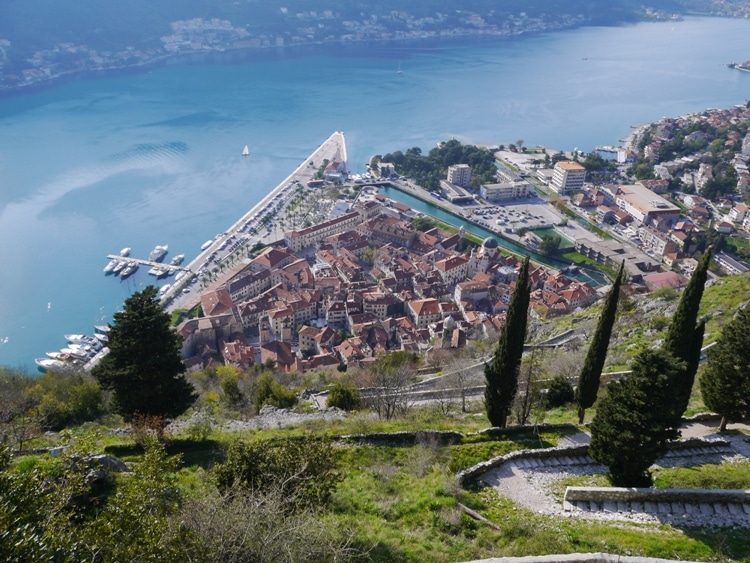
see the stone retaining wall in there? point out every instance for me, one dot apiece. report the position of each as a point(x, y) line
point(439, 437)
point(473, 473)
point(577, 558)
point(623, 494)
point(448, 437)
point(470, 475)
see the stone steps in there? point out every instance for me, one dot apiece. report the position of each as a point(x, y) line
point(563, 460)
point(721, 510)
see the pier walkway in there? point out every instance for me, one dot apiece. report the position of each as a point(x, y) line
point(143, 262)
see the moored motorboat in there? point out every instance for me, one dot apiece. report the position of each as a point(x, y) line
point(177, 260)
point(111, 265)
point(120, 266)
point(125, 251)
point(49, 363)
point(164, 289)
point(80, 338)
point(63, 357)
point(206, 244)
point(129, 269)
point(158, 252)
point(80, 350)
point(76, 353)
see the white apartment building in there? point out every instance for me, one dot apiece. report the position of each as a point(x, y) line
point(567, 176)
point(460, 174)
point(504, 190)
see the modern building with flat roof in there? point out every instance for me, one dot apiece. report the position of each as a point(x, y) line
point(644, 205)
point(504, 190)
point(568, 176)
point(460, 175)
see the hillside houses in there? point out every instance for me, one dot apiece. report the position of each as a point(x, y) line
point(363, 286)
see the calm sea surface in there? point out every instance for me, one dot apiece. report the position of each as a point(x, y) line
point(90, 166)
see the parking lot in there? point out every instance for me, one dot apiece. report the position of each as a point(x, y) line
point(511, 215)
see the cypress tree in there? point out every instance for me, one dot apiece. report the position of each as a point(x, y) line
point(684, 339)
point(144, 368)
point(632, 423)
point(725, 382)
point(501, 374)
point(589, 378)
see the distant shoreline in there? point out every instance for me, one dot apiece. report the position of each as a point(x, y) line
point(265, 53)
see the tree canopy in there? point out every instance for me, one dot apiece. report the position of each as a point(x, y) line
point(685, 336)
point(427, 170)
point(633, 420)
point(501, 374)
point(143, 368)
point(725, 382)
point(589, 378)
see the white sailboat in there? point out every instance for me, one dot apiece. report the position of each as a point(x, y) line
point(399, 71)
point(246, 151)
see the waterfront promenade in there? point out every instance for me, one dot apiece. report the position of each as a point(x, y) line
point(333, 148)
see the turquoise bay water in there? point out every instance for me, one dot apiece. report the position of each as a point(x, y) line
point(90, 166)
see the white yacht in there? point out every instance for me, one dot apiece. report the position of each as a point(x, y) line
point(206, 244)
point(246, 151)
point(129, 270)
point(49, 363)
point(120, 266)
point(111, 265)
point(158, 252)
point(177, 260)
point(125, 251)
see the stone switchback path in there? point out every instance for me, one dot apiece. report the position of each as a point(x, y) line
point(528, 480)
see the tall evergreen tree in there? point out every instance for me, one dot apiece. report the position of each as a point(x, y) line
point(684, 339)
point(589, 378)
point(501, 374)
point(143, 367)
point(725, 382)
point(633, 419)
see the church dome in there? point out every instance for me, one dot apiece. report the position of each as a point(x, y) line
point(489, 242)
point(449, 323)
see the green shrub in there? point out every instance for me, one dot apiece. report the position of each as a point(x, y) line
point(560, 392)
point(270, 392)
point(231, 390)
point(343, 396)
point(303, 469)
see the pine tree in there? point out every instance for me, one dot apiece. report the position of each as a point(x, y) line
point(633, 420)
point(589, 378)
point(684, 339)
point(501, 374)
point(725, 381)
point(143, 367)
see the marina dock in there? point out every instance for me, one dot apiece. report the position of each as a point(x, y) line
point(143, 262)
